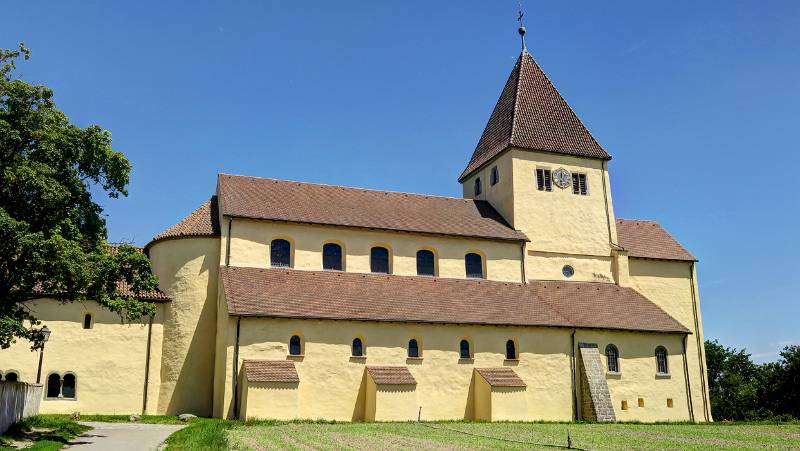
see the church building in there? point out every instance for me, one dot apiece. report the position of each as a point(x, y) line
point(526, 299)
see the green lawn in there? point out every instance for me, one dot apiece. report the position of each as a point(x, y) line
point(217, 434)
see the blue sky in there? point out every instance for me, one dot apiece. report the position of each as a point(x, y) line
point(698, 102)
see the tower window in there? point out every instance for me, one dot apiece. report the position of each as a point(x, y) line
point(87, 321)
point(661, 360)
point(494, 177)
point(413, 348)
point(295, 346)
point(280, 253)
point(478, 187)
point(426, 265)
point(474, 265)
point(511, 350)
point(579, 184)
point(379, 260)
point(332, 257)
point(612, 356)
point(464, 352)
point(544, 180)
point(358, 348)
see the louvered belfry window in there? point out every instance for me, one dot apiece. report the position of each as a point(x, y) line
point(579, 184)
point(544, 180)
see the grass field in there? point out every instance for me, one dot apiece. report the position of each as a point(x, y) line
point(50, 432)
point(215, 434)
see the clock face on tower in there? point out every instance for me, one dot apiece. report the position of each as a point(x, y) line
point(562, 178)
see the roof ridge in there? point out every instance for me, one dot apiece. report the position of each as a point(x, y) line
point(438, 196)
point(514, 109)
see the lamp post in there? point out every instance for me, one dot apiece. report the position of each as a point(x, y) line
point(45, 337)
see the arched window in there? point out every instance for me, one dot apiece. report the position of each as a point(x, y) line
point(426, 265)
point(478, 187)
point(511, 350)
point(358, 347)
point(494, 177)
point(87, 321)
point(464, 350)
point(295, 347)
point(379, 260)
point(474, 265)
point(413, 348)
point(332, 257)
point(53, 386)
point(661, 360)
point(612, 356)
point(68, 386)
point(280, 253)
point(12, 377)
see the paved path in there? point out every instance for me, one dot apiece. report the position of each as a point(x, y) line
point(123, 436)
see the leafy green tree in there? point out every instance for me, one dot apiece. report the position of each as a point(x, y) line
point(789, 381)
point(732, 381)
point(52, 232)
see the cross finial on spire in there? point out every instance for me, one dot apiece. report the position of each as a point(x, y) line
point(521, 29)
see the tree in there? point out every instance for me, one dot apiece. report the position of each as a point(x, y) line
point(732, 382)
point(52, 232)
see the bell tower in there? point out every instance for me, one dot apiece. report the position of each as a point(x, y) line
point(542, 169)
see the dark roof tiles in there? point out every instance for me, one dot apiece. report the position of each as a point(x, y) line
point(270, 371)
point(204, 221)
point(391, 375)
point(287, 293)
point(647, 239)
point(282, 200)
point(531, 114)
point(501, 377)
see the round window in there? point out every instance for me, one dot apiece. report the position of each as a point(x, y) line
point(568, 271)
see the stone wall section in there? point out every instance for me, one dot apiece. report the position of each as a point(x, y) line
point(595, 396)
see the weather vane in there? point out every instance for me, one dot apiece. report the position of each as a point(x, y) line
point(521, 30)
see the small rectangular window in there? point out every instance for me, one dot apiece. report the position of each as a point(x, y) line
point(494, 177)
point(544, 181)
point(641, 402)
point(669, 403)
point(579, 184)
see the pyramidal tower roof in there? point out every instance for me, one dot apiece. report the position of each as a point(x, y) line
point(531, 114)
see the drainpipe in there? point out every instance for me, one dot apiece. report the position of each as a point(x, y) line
point(147, 364)
point(228, 243)
point(700, 352)
point(522, 268)
point(236, 370)
point(686, 377)
point(573, 365)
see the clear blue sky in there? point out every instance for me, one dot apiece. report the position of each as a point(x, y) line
point(698, 102)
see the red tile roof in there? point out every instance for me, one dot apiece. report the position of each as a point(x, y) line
point(501, 377)
point(204, 221)
point(391, 375)
point(647, 239)
point(281, 200)
point(270, 371)
point(287, 293)
point(531, 114)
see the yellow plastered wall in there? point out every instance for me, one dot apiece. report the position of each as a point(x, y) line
point(271, 400)
point(187, 269)
point(391, 402)
point(637, 377)
point(509, 404)
point(670, 284)
point(250, 241)
point(483, 399)
point(560, 221)
point(564, 228)
point(108, 360)
point(332, 384)
point(501, 195)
